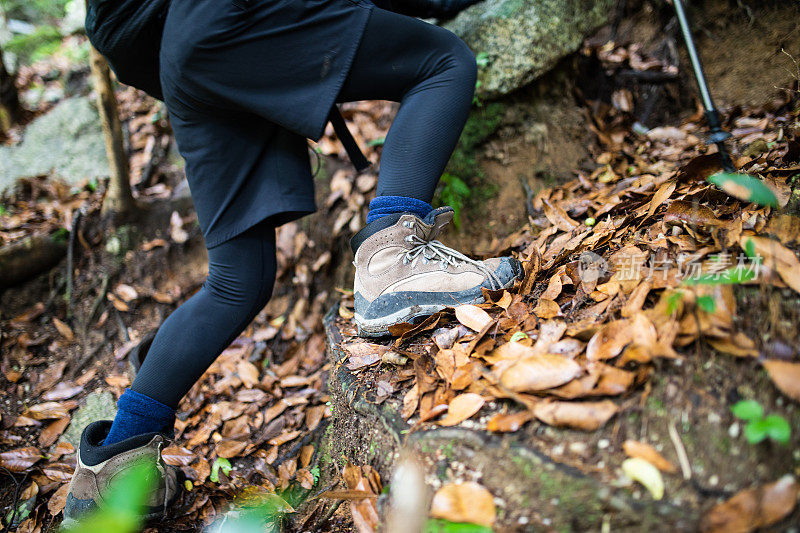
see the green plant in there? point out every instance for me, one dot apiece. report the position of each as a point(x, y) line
point(220, 463)
point(446, 526)
point(455, 193)
point(745, 187)
point(43, 42)
point(760, 427)
point(706, 303)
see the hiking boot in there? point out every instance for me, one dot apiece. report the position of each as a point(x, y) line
point(99, 465)
point(403, 272)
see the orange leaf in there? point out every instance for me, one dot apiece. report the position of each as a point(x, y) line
point(464, 502)
point(539, 372)
point(461, 408)
point(634, 448)
point(473, 317)
point(587, 416)
point(785, 376)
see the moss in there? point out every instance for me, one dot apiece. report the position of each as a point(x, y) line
point(482, 123)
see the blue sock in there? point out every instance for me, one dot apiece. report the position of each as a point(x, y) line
point(381, 206)
point(138, 414)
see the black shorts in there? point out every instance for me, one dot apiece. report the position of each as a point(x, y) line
point(245, 83)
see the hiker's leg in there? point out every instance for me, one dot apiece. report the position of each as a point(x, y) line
point(432, 73)
point(240, 281)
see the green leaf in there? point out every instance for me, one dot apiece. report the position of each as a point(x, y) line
point(377, 142)
point(446, 526)
point(748, 410)
point(220, 463)
point(673, 301)
point(732, 276)
point(750, 249)
point(744, 187)
point(482, 59)
point(755, 431)
point(778, 428)
point(706, 303)
point(3, 210)
point(518, 336)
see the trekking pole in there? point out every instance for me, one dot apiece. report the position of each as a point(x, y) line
point(717, 136)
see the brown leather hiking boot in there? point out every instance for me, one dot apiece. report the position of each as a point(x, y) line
point(98, 465)
point(403, 272)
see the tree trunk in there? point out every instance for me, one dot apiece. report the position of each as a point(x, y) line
point(119, 199)
point(10, 108)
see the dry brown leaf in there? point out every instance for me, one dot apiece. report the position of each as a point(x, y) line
point(306, 478)
point(58, 500)
point(63, 329)
point(587, 416)
point(508, 422)
point(230, 448)
point(126, 293)
point(461, 408)
point(609, 340)
point(473, 317)
point(20, 459)
point(776, 257)
point(785, 376)
point(752, 509)
point(50, 434)
point(546, 309)
point(538, 372)
point(177, 456)
point(634, 448)
point(464, 502)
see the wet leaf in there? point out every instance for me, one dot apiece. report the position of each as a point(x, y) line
point(464, 502)
point(645, 473)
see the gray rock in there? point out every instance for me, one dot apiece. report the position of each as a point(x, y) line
point(67, 141)
point(523, 39)
point(100, 405)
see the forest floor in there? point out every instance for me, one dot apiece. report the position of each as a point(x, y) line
point(633, 325)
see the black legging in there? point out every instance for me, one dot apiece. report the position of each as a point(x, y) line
point(426, 68)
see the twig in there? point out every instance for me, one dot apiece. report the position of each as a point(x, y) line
point(15, 499)
point(76, 220)
point(683, 459)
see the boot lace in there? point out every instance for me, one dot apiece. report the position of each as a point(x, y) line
point(434, 250)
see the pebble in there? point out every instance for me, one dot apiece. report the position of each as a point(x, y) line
point(602, 444)
point(733, 431)
point(713, 481)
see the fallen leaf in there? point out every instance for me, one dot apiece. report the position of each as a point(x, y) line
point(464, 502)
point(63, 329)
point(539, 372)
point(546, 309)
point(754, 508)
point(508, 422)
point(785, 376)
point(587, 416)
point(178, 456)
point(51, 433)
point(473, 317)
point(58, 500)
point(461, 408)
point(644, 451)
point(20, 459)
point(609, 340)
point(230, 448)
point(645, 473)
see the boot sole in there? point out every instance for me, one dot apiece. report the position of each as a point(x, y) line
point(379, 327)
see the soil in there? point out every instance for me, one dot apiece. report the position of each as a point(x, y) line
point(545, 476)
